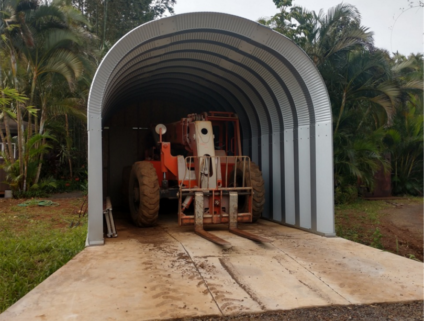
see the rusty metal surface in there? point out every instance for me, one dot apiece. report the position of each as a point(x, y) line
point(232, 225)
point(216, 209)
point(210, 237)
point(198, 222)
point(232, 218)
point(222, 181)
point(208, 219)
point(249, 236)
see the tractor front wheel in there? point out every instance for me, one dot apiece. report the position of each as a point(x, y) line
point(144, 194)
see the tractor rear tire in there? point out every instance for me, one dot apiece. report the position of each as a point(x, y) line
point(253, 179)
point(144, 194)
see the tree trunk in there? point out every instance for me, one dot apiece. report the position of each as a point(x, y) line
point(37, 176)
point(7, 141)
point(68, 145)
point(341, 111)
point(43, 112)
point(3, 140)
point(104, 24)
point(97, 19)
point(8, 148)
point(21, 138)
point(31, 102)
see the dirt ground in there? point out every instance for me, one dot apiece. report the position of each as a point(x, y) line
point(402, 229)
point(393, 225)
point(66, 210)
point(409, 311)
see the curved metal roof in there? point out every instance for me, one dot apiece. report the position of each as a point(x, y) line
point(231, 63)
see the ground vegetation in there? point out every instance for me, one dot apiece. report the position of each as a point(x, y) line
point(35, 241)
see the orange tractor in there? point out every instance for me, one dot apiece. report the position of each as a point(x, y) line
point(211, 179)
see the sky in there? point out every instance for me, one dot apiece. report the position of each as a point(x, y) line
point(405, 35)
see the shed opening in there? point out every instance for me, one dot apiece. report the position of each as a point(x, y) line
point(189, 63)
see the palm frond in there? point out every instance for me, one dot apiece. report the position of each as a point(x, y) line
point(66, 64)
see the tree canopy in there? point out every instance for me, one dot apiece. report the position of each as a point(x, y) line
point(49, 52)
point(374, 96)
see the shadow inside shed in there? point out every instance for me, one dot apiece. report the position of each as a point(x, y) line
point(127, 134)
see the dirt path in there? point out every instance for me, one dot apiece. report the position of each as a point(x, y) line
point(391, 225)
point(402, 227)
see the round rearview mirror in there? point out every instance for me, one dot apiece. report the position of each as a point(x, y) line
point(159, 127)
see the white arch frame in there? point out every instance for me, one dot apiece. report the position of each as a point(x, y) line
point(283, 95)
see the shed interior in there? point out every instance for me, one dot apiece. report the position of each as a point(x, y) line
point(163, 70)
point(127, 134)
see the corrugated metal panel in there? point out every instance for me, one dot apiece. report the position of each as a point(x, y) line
point(243, 99)
point(215, 73)
point(237, 102)
point(247, 66)
point(307, 72)
point(125, 69)
point(128, 66)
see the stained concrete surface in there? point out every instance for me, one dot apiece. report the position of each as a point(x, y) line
point(169, 272)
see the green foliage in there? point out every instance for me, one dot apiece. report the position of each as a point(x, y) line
point(359, 221)
point(376, 100)
point(345, 194)
point(49, 52)
point(405, 140)
point(34, 148)
point(376, 239)
point(110, 20)
point(9, 95)
point(27, 258)
point(48, 58)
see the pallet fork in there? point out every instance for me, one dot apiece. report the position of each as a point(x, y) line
point(232, 222)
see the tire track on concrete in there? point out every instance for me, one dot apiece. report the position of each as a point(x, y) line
point(304, 267)
point(197, 269)
point(169, 263)
point(246, 289)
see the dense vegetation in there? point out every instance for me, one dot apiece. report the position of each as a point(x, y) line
point(376, 98)
point(50, 50)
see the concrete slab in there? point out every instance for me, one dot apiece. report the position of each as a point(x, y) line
point(168, 272)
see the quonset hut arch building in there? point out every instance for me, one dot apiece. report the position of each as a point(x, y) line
point(215, 61)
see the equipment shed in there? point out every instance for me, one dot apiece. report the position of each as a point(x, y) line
point(212, 61)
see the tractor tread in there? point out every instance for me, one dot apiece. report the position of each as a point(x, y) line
point(144, 174)
point(256, 181)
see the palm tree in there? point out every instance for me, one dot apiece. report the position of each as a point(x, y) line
point(405, 140)
point(322, 36)
point(367, 88)
point(53, 53)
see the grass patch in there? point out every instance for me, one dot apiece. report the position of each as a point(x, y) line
point(394, 226)
point(359, 221)
point(34, 243)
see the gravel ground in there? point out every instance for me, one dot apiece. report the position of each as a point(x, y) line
point(405, 311)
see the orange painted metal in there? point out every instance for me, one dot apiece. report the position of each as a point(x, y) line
point(169, 162)
point(178, 133)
